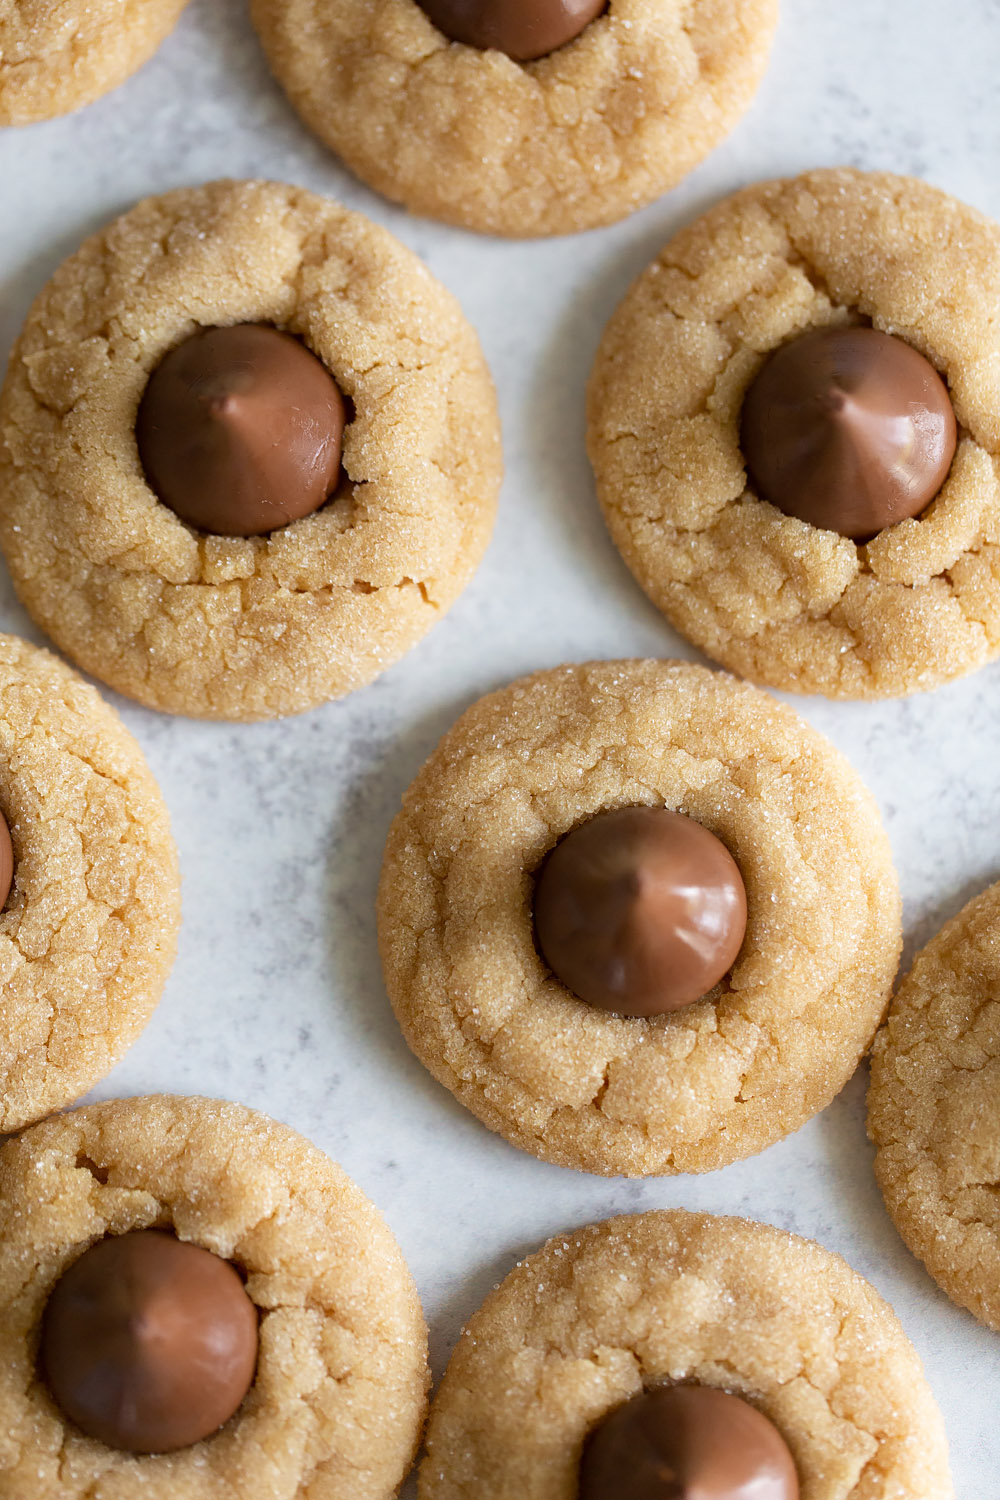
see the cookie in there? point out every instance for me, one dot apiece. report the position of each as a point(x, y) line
point(771, 596)
point(689, 1091)
point(55, 58)
point(89, 930)
point(669, 1298)
point(244, 627)
point(934, 1107)
point(466, 134)
point(338, 1400)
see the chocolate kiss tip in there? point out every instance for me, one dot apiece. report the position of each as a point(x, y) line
point(836, 402)
point(223, 406)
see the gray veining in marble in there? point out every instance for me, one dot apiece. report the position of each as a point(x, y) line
point(276, 998)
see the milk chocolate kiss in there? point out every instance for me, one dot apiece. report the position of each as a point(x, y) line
point(240, 430)
point(524, 29)
point(849, 429)
point(6, 862)
point(640, 911)
point(149, 1344)
point(687, 1442)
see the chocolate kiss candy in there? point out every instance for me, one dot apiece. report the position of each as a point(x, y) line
point(687, 1442)
point(849, 429)
point(148, 1343)
point(524, 29)
point(6, 861)
point(240, 430)
point(640, 911)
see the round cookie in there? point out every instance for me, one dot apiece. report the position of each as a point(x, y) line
point(338, 1400)
point(672, 1297)
point(576, 139)
point(934, 1107)
point(244, 627)
point(55, 58)
point(685, 1092)
point(772, 597)
point(89, 930)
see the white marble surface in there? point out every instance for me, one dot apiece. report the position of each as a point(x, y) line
point(277, 998)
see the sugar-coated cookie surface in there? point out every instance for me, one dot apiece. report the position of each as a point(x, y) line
point(934, 1107)
point(772, 597)
point(338, 1401)
point(600, 1312)
point(56, 57)
point(244, 627)
point(576, 139)
point(89, 931)
point(690, 1091)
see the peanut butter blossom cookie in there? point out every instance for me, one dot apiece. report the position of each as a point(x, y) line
point(519, 117)
point(638, 917)
point(934, 1107)
point(249, 452)
point(794, 422)
point(89, 889)
point(677, 1356)
point(196, 1303)
point(56, 57)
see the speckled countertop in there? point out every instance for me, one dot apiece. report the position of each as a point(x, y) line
point(277, 998)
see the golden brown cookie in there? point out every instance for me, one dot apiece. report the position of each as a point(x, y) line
point(667, 1297)
point(577, 139)
point(338, 1401)
point(934, 1107)
point(244, 627)
point(771, 597)
point(89, 930)
point(686, 1092)
point(55, 58)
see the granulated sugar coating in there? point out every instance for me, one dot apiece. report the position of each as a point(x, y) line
point(934, 1107)
point(686, 1092)
point(338, 1401)
point(55, 58)
point(769, 596)
point(601, 1312)
point(230, 627)
point(582, 137)
point(89, 931)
